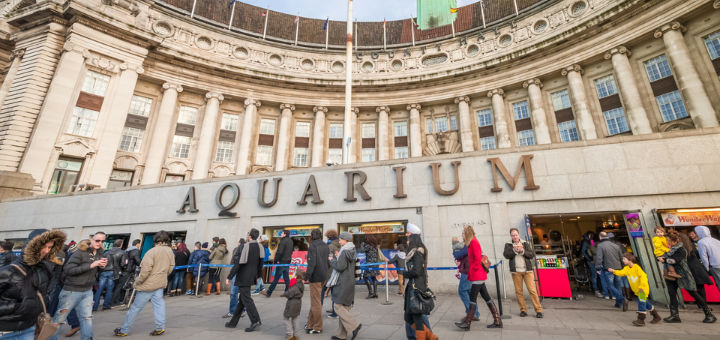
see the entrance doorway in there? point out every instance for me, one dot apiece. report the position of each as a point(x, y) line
point(111, 238)
point(147, 240)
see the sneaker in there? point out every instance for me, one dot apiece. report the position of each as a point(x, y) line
point(607, 298)
point(157, 332)
point(355, 332)
point(523, 314)
point(118, 332)
point(72, 332)
point(612, 297)
point(312, 331)
point(106, 308)
point(333, 316)
point(255, 293)
point(228, 315)
point(539, 315)
point(189, 292)
point(598, 294)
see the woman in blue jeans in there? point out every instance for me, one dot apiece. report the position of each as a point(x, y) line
point(460, 252)
point(182, 256)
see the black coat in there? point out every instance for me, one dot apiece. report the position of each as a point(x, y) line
point(133, 261)
point(697, 269)
point(509, 254)
point(77, 274)
point(246, 274)
point(116, 261)
point(6, 258)
point(283, 255)
point(317, 261)
point(182, 258)
point(416, 275)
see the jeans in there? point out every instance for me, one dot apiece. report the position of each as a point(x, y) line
point(104, 282)
point(54, 297)
point(82, 303)
point(178, 280)
point(410, 332)
point(25, 334)
point(259, 285)
point(644, 305)
point(322, 298)
point(464, 293)
point(280, 271)
point(72, 319)
point(593, 278)
point(613, 283)
point(715, 273)
point(234, 290)
point(141, 299)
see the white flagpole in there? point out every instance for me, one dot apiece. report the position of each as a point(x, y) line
point(452, 25)
point(482, 12)
point(356, 35)
point(384, 35)
point(327, 32)
point(412, 29)
point(232, 14)
point(347, 128)
point(267, 14)
point(297, 28)
point(516, 9)
point(192, 11)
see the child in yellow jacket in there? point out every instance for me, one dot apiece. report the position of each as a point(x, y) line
point(661, 248)
point(639, 285)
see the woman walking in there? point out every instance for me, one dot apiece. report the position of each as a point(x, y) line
point(677, 256)
point(216, 257)
point(369, 247)
point(416, 273)
point(477, 276)
point(182, 256)
point(701, 276)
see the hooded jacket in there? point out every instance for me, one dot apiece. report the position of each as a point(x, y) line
point(78, 276)
point(155, 267)
point(197, 257)
point(218, 254)
point(294, 298)
point(344, 291)
point(708, 248)
point(19, 304)
point(476, 272)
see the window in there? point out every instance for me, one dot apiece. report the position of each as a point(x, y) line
point(336, 130)
point(83, 122)
point(302, 129)
point(429, 125)
point(229, 122)
point(224, 152)
point(335, 156)
point(568, 131)
point(521, 110)
point(368, 130)
point(67, 171)
point(131, 139)
point(267, 127)
point(605, 86)
point(368, 155)
point(95, 83)
point(453, 123)
point(187, 115)
point(561, 100)
point(441, 124)
point(180, 146)
point(658, 68)
point(301, 157)
point(264, 155)
point(140, 106)
point(120, 178)
point(526, 137)
point(712, 42)
point(484, 117)
point(615, 120)
point(170, 178)
point(671, 106)
point(400, 129)
point(401, 152)
point(487, 143)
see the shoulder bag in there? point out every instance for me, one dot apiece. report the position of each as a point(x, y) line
point(45, 327)
point(485, 262)
point(421, 302)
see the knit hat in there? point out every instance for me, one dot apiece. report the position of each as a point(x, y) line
point(34, 233)
point(205, 245)
point(413, 229)
point(346, 236)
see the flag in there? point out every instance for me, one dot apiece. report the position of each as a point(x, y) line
point(326, 23)
point(264, 13)
point(453, 10)
point(384, 22)
point(232, 2)
point(297, 18)
point(434, 13)
point(414, 23)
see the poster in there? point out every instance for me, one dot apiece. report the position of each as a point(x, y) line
point(689, 219)
point(298, 257)
point(634, 225)
point(392, 274)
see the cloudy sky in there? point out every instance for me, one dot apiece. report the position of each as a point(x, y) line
point(363, 10)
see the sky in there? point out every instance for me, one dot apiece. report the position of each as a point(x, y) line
point(363, 10)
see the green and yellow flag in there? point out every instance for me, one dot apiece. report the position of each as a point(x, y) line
point(436, 13)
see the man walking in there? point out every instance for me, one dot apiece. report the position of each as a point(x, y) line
point(709, 251)
point(317, 261)
point(342, 282)
point(80, 274)
point(130, 262)
point(109, 276)
point(283, 255)
point(245, 271)
point(609, 255)
point(233, 288)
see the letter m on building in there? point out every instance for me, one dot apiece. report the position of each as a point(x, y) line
point(497, 165)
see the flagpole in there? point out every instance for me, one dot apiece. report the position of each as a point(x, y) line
point(327, 32)
point(482, 11)
point(232, 14)
point(297, 28)
point(347, 128)
point(452, 25)
point(267, 14)
point(516, 9)
point(412, 29)
point(192, 11)
point(384, 35)
point(356, 35)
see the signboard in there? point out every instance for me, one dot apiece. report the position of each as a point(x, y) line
point(298, 257)
point(377, 228)
point(634, 225)
point(295, 231)
point(689, 219)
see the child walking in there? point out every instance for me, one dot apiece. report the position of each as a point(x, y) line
point(660, 246)
point(293, 305)
point(639, 285)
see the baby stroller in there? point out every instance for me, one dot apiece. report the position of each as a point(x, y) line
point(582, 277)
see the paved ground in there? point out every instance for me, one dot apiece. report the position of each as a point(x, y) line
point(591, 318)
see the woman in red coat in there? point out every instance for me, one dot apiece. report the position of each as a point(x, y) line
point(477, 276)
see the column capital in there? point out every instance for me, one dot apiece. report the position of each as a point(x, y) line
point(137, 68)
point(716, 4)
point(465, 99)
point(382, 108)
point(618, 50)
point(251, 101)
point(572, 68)
point(290, 107)
point(497, 91)
point(414, 106)
point(18, 53)
point(322, 109)
point(213, 94)
point(355, 109)
point(174, 86)
point(533, 81)
point(671, 26)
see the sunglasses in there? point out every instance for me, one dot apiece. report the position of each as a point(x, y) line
point(99, 240)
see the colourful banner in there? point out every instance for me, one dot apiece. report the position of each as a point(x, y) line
point(689, 219)
point(634, 225)
point(298, 257)
point(377, 229)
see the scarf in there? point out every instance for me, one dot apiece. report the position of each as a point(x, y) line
point(335, 276)
point(246, 250)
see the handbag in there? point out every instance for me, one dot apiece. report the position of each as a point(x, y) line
point(44, 327)
point(420, 302)
point(485, 262)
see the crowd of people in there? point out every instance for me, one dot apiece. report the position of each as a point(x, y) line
point(68, 282)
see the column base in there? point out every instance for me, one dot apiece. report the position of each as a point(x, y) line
point(15, 185)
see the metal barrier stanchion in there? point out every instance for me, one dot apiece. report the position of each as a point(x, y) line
point(387, 286)
point(499, 297)
point(197, 281)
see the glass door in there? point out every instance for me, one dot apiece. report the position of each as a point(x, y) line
point(638, 227)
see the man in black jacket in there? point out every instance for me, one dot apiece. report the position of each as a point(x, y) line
point(521, 257)
point(283, 255)
point(6, 254)
point(108, 276)
point(118, 257)
point(246, 269)
point(80, 274)
point(317, 272)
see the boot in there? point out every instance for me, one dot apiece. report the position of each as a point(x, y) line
point(496, 316)
point(420, 335)
point(628, 294)
point(709, 317)
point(656, 317)
point(429, 335)
point(674, 316)
point(370, 292)
point(374, 286)
point(467, 320)
point(640, 322)
point(208, 289)
point(217, 288)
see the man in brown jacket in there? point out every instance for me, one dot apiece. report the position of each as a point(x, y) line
point(155, 267)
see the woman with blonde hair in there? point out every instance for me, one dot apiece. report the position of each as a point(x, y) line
point(477, 276)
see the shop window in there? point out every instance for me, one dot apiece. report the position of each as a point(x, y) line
point(521, 110)
point(302, 129)
point(67, 171)
point(229, 122)
point(267, 127)
point(300, 158)
point(187, 115)
point(224, 152)
point(83, 122)
point(181, 146)
point(95, 83)
point(712, 42)
point(671, 106)
point(335, 156)
point(120, 178)
point(487, 143)
point(336, 130)
point(171, 178)
point(526, 137)
point(401, 152)
point(140, 106)
point(264, 155)
point(568, 131)
point(131, 139)
point(615, 120)
point(484, 117)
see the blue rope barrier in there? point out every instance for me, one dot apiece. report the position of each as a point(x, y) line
point(364, 266)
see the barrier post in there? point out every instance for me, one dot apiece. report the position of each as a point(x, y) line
point(387, 286)
point(499, 297)
point(199, 277)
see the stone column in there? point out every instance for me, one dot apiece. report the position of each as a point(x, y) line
point(583, 117)
point(249, 122)
point(383, 143)
point(415, 137)
point(16, 58)
point(696, 98)
point(634, 110)
point(466, 138)
point(537, 111)
point(109, 140)
point(208, 131)
point(501, 125)
point(157, 153)
point(283, 144)
point(318, 145)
